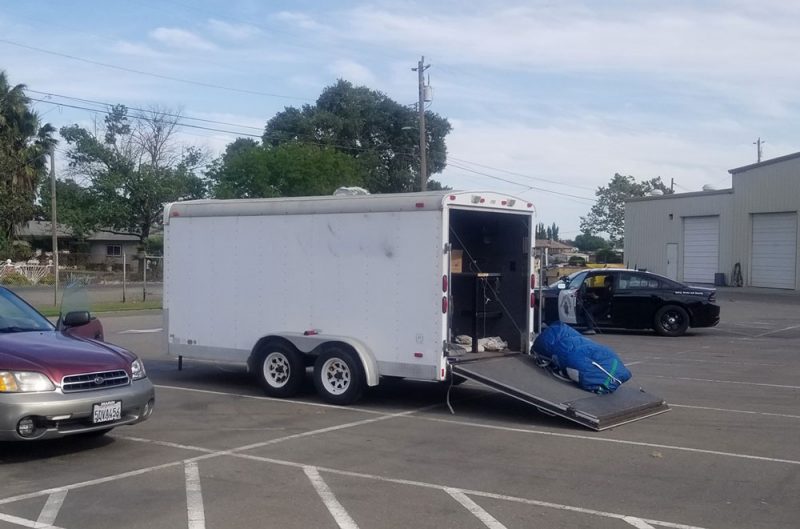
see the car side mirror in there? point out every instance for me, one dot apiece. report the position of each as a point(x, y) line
point(77, 318)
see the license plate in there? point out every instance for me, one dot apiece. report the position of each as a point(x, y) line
point(107, 411)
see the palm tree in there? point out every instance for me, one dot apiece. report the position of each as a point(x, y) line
point(24, 146)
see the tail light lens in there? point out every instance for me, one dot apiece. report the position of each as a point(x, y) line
point(444, 284)
point(533, 299)
point(533, 281)
point(444, 304)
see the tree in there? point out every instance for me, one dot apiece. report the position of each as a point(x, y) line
point(589, 243)
point(552, 232)
point(249, 170)
point(541, 232)
point(608, 213)
point(133, 167)
point(378, 132)
point(77, 207)
point(24, 146)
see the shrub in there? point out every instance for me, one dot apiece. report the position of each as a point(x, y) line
point(576, 260)
point(49, 279)
point(14, 278)
point(21, 251)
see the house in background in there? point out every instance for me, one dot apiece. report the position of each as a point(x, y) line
point(100, 248)
point(746, 235)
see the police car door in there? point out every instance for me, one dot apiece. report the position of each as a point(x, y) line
point(568, 300)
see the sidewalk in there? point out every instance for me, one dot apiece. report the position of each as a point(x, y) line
point(43, 295)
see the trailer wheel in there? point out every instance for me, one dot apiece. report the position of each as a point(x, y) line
point(671, 320)
point(280, 370)
point(339, 376)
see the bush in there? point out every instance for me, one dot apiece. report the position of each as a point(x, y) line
point(21, 251)
point(15, 279)
point(608, 256)
point(49, 279)
point(576, 260)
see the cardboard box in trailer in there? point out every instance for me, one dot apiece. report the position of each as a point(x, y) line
point(362, 287)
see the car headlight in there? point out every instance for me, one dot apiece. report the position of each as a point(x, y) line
point(24, 382)
point(137, 369)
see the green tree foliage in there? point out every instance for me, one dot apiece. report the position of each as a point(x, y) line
point(589, 243)
point(249, 170)
point(378, 132)
point(133, 166)
point(608, 213)
point(24, 145)
point(549, 232)
point(77, 207)
point(552, 232)
point(607, 255)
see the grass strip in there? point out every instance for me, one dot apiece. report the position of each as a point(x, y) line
point(114, 306)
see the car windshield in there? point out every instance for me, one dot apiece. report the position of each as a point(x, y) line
point(18, 316)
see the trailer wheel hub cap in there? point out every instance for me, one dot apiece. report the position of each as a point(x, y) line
point(276, 369)
point(335, 376)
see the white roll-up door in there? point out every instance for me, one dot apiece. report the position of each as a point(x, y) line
point(700, 249)
point(774, 254)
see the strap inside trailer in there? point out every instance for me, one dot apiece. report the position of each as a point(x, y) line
point(518, 376)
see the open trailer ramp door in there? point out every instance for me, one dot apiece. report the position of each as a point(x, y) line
point(518, 376)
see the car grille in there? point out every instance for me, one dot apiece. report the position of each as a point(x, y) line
point(94, 381)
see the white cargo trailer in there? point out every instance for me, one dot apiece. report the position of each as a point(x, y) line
point(364, 287)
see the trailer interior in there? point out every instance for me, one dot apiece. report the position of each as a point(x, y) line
point(489, 275)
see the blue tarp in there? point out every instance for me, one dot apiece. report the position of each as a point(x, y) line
point(594, 367)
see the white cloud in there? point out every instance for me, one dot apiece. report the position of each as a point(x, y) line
point(181, 39)
point(352, 71)
point(235, 32)
point(300, 20)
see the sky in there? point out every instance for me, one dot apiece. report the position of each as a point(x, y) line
point(547, 99)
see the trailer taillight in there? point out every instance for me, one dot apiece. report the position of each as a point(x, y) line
point(444, 283)
point(530, 204)
point(452, 197)
point(533, 281)
point(420, 204)
point(533, 299)
point(444, 304)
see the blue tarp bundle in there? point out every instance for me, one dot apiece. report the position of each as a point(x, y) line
point(594, 367)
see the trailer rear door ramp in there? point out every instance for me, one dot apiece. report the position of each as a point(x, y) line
point(518, 376)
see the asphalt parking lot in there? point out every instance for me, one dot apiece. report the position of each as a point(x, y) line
point(216, 453)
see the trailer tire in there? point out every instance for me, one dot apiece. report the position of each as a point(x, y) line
point(339, 376)
point(671, 320)
point(280, 370)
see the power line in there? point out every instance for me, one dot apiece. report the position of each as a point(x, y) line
point(91, 101)
point(522, 185)
point(519, 174)
point(151, 74)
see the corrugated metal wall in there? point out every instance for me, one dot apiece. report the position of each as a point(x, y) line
point(653, 222)
point(769, 187)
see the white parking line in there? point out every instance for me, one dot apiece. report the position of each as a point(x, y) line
point(337, 510)
point(738, 382)
point(140, 331)
point(487, 519)
point(637, 522)
point(726, 410)
point(194, 497)
point(16, 520)
point(776, 331)
point(50, 510)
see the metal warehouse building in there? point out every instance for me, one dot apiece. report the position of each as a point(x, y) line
point(750, 228)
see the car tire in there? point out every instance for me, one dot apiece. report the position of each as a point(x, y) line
point(339, 376)
point(671, 320)
point(280, 370)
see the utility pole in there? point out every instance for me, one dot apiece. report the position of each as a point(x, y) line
point(672, 185)
point(55, 223)
point(423, 136)
point(758, 143)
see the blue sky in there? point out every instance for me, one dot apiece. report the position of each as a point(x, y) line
point(555, 96)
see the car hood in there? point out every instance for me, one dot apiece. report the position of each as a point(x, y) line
point(58, 355)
